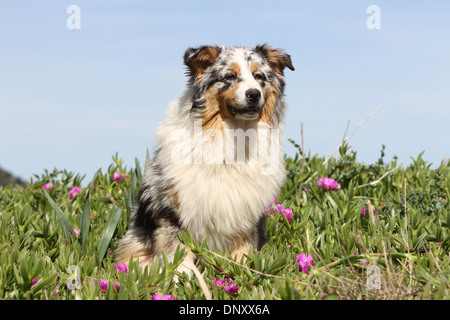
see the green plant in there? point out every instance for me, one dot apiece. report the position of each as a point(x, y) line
point(54, 246)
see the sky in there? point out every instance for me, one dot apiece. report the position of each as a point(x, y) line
point(71, 98)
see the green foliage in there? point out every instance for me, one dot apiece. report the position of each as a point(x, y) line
point(54, 246)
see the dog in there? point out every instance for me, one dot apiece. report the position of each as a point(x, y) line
point(206, 176)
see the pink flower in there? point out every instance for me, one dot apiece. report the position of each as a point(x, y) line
point(159, 296)
point(34, 281)
point(281, 210)
point(74, 191)
point(121, 267)
point(104, 285)
point(219, 283)
point(117, 286)
point(226, 285)
point(288, 213)
point(232, 288)
point(76, 231)
point(47, 186)
point(304, 261)
point(117, 176)
point(328, 183)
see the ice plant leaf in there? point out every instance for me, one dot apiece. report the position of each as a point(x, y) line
point(84, 225)
point(109, 231)
point(63, 221)
point(128, 206)
point(42, 283)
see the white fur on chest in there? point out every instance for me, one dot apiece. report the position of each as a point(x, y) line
point(219, 201)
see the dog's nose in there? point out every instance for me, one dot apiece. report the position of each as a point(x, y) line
point(253, 95)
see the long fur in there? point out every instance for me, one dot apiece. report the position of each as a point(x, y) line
point(198, 186)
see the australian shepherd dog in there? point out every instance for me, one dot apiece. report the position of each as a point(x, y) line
point(218, 160)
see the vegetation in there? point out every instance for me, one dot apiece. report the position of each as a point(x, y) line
point(382, 234)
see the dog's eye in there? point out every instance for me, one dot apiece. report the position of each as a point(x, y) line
point(259, 76)
point(229, 77)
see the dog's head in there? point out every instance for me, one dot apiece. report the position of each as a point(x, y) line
point(236, 82)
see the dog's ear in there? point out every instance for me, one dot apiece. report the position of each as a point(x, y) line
point(277, 58)
point(199, 59)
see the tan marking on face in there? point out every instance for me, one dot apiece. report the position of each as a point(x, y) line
point(216, 107)
point(235, 68)
point(211, 116)
point(254, 67)
point(270, 97)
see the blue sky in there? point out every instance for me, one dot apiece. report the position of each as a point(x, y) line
point(71, 99)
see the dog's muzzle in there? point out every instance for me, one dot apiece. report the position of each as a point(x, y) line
point(251, 110)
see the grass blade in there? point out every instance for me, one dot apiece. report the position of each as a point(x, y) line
point(63, 221)
point(138, 169)
point(109, 231)
point(84, 222)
